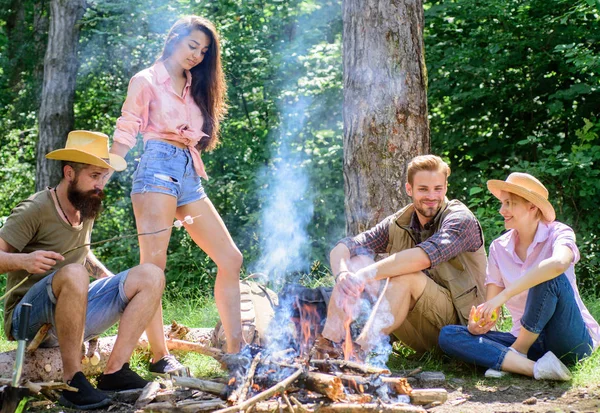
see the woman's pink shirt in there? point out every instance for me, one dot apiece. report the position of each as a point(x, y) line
point(154, 109)
point(505, 267)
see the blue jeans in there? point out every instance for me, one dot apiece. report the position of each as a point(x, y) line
point(551, 311)
point(106, 303)
point(167, 169)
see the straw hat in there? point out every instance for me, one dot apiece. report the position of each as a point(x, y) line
point(528, 187)
point(90, 148)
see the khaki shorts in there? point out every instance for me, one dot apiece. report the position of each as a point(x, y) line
point(432, 311)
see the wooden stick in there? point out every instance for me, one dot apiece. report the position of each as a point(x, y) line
point(368, 408)
point(287, 401)
point(39, 337)
point(198, 384)
point(182, 345)
point(365, 334)
point(426, 396)
point(279, 387)
point(362, 368)
point(299, 405)
point(249, 379)
point(169, 407)
point(148, 394)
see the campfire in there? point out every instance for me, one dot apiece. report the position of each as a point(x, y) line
point(299, 377)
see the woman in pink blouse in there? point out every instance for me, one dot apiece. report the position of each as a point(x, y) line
point(531, 270)
point(177, 105)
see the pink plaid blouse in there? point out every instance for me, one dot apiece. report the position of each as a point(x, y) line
point(155, 110)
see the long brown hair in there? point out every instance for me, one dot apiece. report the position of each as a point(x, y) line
point(209, 89)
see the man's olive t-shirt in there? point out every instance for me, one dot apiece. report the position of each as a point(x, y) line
point(33, 225)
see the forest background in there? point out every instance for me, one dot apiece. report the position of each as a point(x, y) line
point(513, 85)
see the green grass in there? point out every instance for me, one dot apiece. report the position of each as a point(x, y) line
point(199, 311)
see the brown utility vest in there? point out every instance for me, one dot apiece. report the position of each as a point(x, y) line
point(463, 275)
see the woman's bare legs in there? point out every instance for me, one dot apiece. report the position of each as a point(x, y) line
point(154, 211)
point(209, 232)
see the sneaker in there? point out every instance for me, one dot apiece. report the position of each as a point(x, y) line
point(124, 379)
point(549, 367)
point(168, 366)
point(495, 374)
point(86, 398)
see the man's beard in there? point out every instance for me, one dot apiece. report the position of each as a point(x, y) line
point(426, 211)
point(89, 204)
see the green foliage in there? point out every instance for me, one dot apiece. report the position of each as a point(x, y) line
point(515, 86)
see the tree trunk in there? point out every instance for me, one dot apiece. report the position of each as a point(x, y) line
point(58, 91)
point(385, 105)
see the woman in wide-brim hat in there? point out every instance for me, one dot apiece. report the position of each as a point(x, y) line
point(531, 270)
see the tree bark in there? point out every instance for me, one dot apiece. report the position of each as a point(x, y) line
point(385, 105)
point(56, 118)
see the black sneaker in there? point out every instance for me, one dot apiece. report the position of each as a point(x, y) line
point(124, 379)
point(168, 366)
point(86, 398)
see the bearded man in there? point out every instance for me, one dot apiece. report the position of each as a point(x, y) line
point(435, 268)
point(43, 245)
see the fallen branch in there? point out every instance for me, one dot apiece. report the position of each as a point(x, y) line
point(185, 407)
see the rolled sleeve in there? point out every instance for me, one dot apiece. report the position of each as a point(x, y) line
point(566, 237)
point(135, 111)
point(371, 242)
point(459, 232)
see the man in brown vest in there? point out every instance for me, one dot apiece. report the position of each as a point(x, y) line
point(433, 275)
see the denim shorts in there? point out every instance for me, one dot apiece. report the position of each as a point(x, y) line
point(167, 169)
point(106, 303)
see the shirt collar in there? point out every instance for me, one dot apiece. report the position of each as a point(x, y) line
point(508, 240)
point(161, 72)
point(162, 76)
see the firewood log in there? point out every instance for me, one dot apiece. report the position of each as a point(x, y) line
point(368, 408)
point(325, 384)
point(198, 384)
point(426, 396)
point(45, 364)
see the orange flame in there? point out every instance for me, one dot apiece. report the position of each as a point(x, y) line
point(309, 321)
point(348, 347)
point(231, 381)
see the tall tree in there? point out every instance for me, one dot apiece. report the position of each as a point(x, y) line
point(56, 117)
point(385, 105)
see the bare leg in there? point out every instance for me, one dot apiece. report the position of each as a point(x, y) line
point(524, 340)
point(143, 287)
point(209, 232)
point(70, 287)
point(154, 211)
point(515, 363)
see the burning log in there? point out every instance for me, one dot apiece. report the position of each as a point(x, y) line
point(361, 368)
point(280, 387)
point(325, 384)
point(398, 385)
